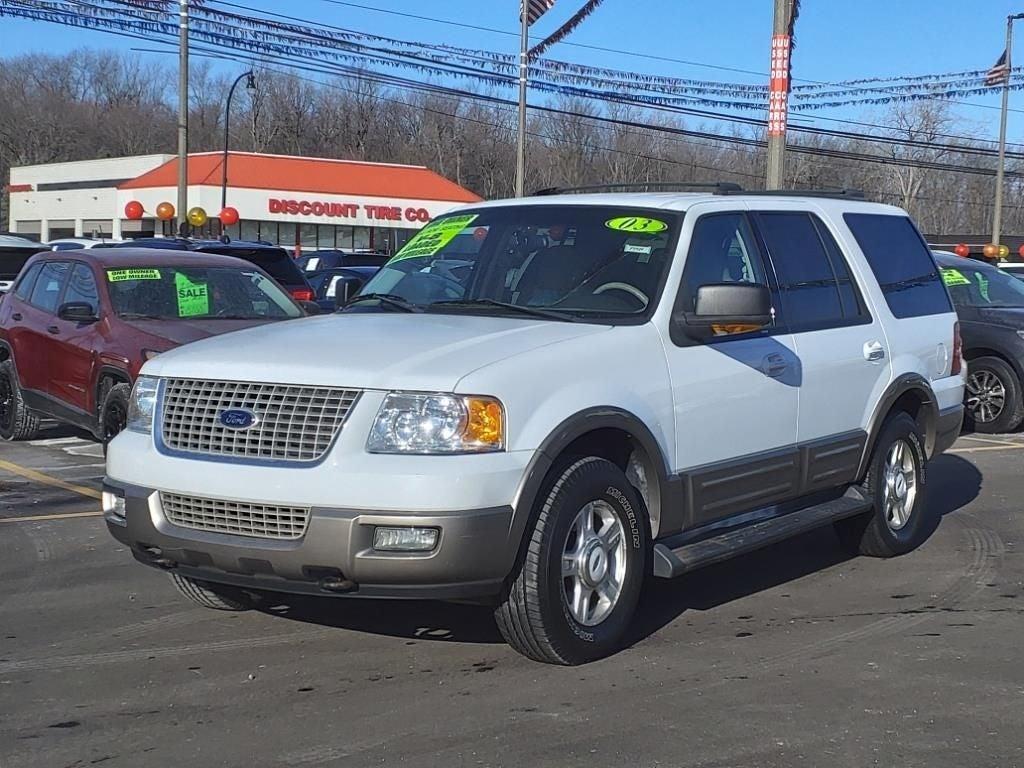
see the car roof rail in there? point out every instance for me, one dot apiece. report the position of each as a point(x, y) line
point(717, 187)
point(838, 192)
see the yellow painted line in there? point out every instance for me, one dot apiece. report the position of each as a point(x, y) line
point(58, 516)
point(39, 477)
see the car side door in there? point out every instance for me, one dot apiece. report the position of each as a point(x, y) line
point(35, 346)
point(840, 341)
point(71, 370)
point(734, 395)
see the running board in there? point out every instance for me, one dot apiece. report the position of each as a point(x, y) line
point(669, 562)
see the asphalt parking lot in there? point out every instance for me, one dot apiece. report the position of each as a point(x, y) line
point(794, 656)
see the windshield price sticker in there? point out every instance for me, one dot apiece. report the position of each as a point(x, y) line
point(193, 298)
point(122, 275)
point(433, 237)
point(637, 225)
point(954, 277)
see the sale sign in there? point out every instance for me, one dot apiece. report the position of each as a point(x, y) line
point(778, 90)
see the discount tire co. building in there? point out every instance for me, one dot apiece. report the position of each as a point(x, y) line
point(304, 202)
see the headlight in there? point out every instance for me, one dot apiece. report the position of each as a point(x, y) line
point(142, 404)
point(437, 423)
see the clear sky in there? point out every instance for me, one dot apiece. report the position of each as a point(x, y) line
point(836, 39)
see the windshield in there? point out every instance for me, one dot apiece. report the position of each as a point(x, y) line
point(982, 286)
point(174, 293)
point(573, 262)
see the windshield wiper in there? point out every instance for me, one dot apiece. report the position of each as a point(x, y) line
point(139, 316)
point(391, 299)
point(533, 311)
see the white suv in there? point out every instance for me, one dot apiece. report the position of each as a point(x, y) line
point(540, 402)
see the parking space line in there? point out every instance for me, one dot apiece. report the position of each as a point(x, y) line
point(56, 516)
point(1003, 447)
point(39, 477)
point(993, 441)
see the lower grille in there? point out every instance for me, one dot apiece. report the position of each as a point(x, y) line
point(267, 521)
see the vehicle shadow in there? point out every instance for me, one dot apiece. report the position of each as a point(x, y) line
point(52, 430)
point(953, 483)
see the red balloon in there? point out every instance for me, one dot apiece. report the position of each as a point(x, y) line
point(1020, 251)
point(133, 210)
point(165, 211)
point(963, 250)
point(229, 216)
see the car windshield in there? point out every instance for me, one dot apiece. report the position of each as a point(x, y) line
point(982, 286)
point(174, 293)
point(554, 261)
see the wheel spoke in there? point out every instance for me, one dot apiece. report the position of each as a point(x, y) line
point(580, 600)
point(609, 591)
point(568, 565)
point(611, 535)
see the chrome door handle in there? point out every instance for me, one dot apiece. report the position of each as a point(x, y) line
point(774, 365)
point(874, 351)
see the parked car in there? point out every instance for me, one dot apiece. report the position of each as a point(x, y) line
point(334, 287)
point(78, 243)
point(615, 386)
point(273, 260)
point(14, 252)
point(990, 304)
point(333, 259)
point(79, 325)
point(1015, 268)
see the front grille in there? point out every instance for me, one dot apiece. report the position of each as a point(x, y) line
point(294, 423)
point(268, 521)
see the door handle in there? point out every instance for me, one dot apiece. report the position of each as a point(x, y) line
point(53, 329)
point(774, 365)
point(16, 316)
point(873, 351)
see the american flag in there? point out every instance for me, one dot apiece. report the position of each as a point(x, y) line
point(1000, 72)
point(535, 9)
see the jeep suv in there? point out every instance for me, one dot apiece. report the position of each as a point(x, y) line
point(596, 388)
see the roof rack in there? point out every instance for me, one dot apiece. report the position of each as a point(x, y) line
point(856, 194)
point(717, 187)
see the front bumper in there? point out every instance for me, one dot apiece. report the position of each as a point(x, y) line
point(335, 556)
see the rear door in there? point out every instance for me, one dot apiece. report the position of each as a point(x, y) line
point(37, 345)
point(75, 343)
point(842, 347)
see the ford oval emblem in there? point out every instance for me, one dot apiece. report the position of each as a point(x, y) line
point(237, 418)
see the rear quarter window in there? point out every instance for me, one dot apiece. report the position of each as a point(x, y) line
point(902, 264)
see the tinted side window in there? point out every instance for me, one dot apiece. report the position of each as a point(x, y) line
point(82, 288)
point(806, 276)
point(853, 302)
point(722, 250)
point(24, 287)
point(902, 264)
point(46, 291)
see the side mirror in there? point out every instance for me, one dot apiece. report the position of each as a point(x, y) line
point(77, 312)
point(730, 308)
point(344, 290)
point(310, 307)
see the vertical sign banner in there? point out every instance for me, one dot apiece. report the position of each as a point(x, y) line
point(778, 90)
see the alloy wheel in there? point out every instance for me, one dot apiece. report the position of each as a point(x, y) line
point(114, 420)
point(6, 402)
point(986, 396)
point(900, 476)
point(593, 563)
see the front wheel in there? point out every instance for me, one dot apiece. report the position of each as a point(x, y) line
point(576, 587)
point(114, 413)
point(992, 396)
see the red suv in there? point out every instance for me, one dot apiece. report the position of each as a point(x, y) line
point(78, 326)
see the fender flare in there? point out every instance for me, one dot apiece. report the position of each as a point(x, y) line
point(901, 385)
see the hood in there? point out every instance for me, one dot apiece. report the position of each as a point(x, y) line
point(1011, 317)
point(429, 352)
point(178, 332)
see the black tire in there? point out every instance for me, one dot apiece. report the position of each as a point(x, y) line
point(534, 616)
point(1000, 389)
point(215, 596)
point(17, 422)
point(113, 413)
point(872, 533)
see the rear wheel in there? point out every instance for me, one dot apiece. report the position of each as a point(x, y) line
point(17, 422)
point(576, 587)
point(896, 483)
point(215, 596)
point(992, 396)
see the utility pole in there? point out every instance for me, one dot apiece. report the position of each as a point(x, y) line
point(524, 49)
point(997, 215)
point(778, 95)
point(182, 117)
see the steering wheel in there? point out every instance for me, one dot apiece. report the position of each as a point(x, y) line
point(631, 290)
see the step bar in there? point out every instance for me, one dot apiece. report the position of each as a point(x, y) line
point(670, 562)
